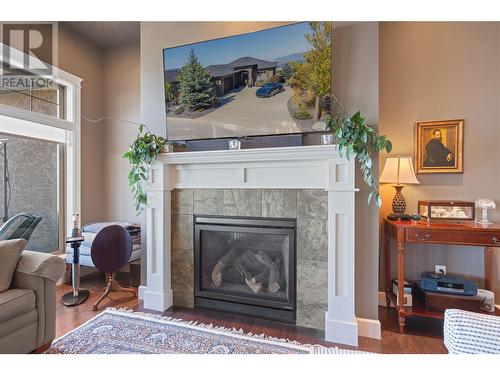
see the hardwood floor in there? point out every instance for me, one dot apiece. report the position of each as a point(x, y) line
point(423, 336)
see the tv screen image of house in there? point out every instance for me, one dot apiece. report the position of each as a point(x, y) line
point(274, 81)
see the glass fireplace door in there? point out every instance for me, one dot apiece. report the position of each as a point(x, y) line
point(248, 261)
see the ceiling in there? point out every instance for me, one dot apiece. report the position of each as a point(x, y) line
point(112, 34)
point(107, 34)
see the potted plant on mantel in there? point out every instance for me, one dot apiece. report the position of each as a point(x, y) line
point(353, 134)
point(145, 149)
point(356, 137)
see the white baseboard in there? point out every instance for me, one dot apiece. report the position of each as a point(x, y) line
point(141, 291)
point(158, 301)
point(341, 332)
point(369, 328)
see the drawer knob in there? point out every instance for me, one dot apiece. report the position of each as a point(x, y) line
point(425, 237)
point(494, 239)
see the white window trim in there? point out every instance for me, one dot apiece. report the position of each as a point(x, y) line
point(72, 124)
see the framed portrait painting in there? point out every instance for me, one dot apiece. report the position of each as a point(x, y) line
point(439, 146)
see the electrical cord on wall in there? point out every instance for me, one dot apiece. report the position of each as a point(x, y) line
point(95, 121)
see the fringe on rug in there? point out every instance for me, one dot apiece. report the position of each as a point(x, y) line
point(312, 348)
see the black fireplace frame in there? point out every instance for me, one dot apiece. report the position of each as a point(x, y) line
point(243, 304)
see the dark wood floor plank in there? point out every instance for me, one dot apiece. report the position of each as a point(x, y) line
point(422, 336)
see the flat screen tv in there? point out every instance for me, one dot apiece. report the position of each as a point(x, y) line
point(274, 81)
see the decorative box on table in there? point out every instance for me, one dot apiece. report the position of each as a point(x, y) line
point(446, 210)
point(408, 297)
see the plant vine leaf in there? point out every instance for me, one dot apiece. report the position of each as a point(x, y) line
point(141, 154)
point(356, 137)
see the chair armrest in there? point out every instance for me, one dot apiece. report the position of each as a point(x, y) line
point(40, 264)
point(39, 272)
point(466, 332)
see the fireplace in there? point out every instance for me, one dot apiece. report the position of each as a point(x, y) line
point(246, 265)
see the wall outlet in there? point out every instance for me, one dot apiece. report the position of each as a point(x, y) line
point(440, 270)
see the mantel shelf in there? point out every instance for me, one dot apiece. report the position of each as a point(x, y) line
point(321, 152)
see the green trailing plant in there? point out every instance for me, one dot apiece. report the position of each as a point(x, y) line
point(356, 137)
point(142, 152)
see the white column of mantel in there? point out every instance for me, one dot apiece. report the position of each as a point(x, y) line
point(340, 319)
point(158, 293)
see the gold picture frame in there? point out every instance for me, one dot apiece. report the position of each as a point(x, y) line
point(439, 146)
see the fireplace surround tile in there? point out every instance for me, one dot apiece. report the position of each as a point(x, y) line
point(312, 299)
point(182, 277)
point(208, 201)
point(279, 203)
point(313, 280)
point(182, 201)
point(306, 205)
point(182, 231)
point(312, 204)
point(312, 239)
point(183, 295)
point(242, 202)
point(311, 315)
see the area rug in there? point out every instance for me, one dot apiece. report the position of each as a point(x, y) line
point(124, 332)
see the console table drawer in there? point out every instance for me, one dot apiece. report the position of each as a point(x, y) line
point(451, 237)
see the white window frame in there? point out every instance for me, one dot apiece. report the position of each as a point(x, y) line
point(72, 124)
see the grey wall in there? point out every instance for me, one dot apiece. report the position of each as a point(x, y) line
point(33, 179)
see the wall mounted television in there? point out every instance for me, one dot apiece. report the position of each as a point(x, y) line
point(268, 82)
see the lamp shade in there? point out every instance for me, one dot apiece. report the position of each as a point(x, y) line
point(398, 170)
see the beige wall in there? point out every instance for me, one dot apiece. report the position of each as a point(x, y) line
point(355, 83)
point(121, 101)
point(444, 70)
point(111, 87)
point(81, 57)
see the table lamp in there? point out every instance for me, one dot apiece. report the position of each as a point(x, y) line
point(485, 204)
point(399, 172)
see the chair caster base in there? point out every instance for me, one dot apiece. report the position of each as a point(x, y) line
point(70, 300)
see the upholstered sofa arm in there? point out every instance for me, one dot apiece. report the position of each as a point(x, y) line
point(39, 272)
point(40, 264)
point(471, 333)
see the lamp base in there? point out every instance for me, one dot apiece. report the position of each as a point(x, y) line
point(69, 299)
point(399, 217)
point(398, 202)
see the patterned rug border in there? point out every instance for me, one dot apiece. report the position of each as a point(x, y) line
point(233, 332)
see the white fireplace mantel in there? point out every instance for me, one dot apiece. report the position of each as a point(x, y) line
point(306, 167)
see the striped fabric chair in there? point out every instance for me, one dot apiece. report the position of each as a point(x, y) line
point(19, 226)
point(466, 332)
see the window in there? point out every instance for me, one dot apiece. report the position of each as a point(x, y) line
point(23, 90)
point(42, 128)
point(30, 177)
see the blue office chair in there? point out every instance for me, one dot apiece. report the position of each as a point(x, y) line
point(19, 226)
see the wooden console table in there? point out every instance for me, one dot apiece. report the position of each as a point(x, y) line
point(469, 234)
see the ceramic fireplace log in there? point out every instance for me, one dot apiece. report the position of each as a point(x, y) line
point(275, 276)
point(255, 268)
point(224, 262)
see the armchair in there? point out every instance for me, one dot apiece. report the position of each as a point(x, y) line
point(467, 332)
point(28, 307)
